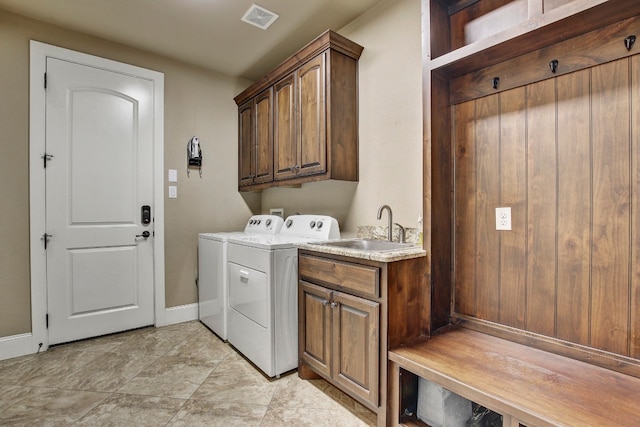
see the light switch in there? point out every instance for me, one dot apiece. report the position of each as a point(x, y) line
point(173, 175)
point(503, 218)
point(173, 192)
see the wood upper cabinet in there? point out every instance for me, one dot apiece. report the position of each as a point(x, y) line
point(315, 114)
point(300, 121)
point(284, 127)
point(312, 117)
point(255, 140)
point(246, 144)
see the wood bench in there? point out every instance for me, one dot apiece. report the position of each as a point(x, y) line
point(529, 387)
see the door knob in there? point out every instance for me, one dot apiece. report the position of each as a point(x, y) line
point(144, 234)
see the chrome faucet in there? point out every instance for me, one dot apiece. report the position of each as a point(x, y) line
point(380, 209)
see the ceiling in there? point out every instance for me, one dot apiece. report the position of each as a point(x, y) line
point(207, 33)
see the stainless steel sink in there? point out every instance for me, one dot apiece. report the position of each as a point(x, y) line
point(366, 245)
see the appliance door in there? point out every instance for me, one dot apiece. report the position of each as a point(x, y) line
point(250, 311)
point(248, 292)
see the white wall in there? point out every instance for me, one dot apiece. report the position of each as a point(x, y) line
point(390, 115)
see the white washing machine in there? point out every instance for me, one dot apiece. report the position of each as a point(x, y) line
point(263, 291)
point(212, 270)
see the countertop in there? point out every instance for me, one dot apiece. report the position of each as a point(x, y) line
point(382, 256)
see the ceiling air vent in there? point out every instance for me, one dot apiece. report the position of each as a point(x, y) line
point(259, 16)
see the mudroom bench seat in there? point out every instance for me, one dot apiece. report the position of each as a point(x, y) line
point(529, 387)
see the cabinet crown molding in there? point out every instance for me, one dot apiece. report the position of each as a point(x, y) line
point(327, 40)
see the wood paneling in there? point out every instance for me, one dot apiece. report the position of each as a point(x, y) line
point(574, 232)
point(541, 207)
point(611, 176)
point(513, 193)
point(563, 154)
point(465, 202)
point(487, 141)
point(635, 209)
point(437, 207)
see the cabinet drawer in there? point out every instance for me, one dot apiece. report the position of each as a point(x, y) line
point(359, 278)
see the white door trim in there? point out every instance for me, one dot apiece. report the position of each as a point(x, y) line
point(39, 53)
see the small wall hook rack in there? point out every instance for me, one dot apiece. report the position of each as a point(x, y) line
point(629, 41)
point(495, 82)
point(553, 65)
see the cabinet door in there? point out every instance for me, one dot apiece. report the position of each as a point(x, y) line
point(314, 323)
point(356, 345)
point(284, 126)
point(263, 137)
point(246, 144)
point(311, 86)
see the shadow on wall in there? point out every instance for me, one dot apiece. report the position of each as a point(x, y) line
point(253, 201)
point(332, 197)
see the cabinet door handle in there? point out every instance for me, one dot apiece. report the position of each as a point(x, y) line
point(325, 302)
point(334, 304)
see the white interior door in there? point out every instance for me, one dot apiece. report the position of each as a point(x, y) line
point(99, 130)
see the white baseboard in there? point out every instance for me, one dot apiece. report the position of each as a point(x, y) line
point(17, 345)
point(178, 314)
point(23, 344)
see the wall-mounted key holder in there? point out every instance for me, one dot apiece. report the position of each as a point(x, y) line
point(194, 155)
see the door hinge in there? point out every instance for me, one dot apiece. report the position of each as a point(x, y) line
point(45, 237)
point(45, 80)
point(46, 157)
point(46, 319)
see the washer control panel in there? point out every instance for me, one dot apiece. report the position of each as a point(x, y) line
point(264, 224)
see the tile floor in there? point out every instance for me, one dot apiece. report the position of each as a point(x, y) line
point(179, 375)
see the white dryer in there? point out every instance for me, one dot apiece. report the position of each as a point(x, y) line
point(263, 291)
point(212, 270)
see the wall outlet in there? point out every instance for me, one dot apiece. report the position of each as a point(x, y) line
point(503, 218)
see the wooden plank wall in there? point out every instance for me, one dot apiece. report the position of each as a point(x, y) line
point(564, 154)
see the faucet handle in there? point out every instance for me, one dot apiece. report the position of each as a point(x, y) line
point(402, 232)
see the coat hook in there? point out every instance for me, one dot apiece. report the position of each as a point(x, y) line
point(553, 65)
point(495, 82)
point(629, 41)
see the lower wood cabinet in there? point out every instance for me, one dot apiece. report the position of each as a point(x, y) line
point(340, 338)
point(350, 312)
